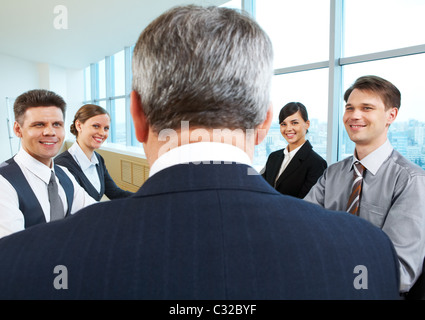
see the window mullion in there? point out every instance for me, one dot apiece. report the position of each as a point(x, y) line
point(109, 91)
point(130, 137)
point(335, 79)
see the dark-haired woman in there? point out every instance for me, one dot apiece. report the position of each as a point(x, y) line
point(91, 127)
point(296, 168)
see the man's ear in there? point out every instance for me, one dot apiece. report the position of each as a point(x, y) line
point(392, 115)
point(264, 127)
point(17, 129)
point(141, 125)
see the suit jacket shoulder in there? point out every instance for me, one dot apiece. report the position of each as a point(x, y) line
point(203, 231)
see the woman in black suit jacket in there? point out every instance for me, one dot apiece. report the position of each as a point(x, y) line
point(295, 169)
point(91, 127)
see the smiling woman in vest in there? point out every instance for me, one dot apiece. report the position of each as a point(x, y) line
point(91, 127)
point(26, 179)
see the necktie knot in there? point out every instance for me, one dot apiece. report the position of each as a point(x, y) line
point(356, 188)
point(52, 178)
point(358, 169)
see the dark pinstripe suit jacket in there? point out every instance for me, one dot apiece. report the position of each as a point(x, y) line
point(207, 231)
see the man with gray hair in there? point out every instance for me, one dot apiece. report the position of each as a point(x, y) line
point(205, 225)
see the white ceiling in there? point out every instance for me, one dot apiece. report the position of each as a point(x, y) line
point(96, 28)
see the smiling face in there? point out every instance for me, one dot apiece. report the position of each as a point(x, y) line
point(367, 120)
point(293, 128)
point(41, 132)
point(93, 132)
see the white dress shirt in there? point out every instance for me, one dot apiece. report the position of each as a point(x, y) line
point(87, 166)
point(287, 157)
point(199, 152)
point(38, 176)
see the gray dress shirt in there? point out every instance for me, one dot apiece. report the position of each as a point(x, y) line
point(393, 199)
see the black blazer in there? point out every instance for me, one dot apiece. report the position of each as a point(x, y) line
point(201, 231)
point(301, 173)
point(107, 185)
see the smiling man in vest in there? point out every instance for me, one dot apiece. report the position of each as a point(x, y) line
point(32, 189)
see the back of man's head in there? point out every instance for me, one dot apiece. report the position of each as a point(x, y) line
point(209, 66)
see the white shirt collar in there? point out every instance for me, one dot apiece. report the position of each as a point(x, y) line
point(374, 160)
point(81, 158)
point(37, 168)
point(293, 152)
point(198, 152)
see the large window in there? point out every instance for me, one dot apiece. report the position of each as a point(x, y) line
point(380, 25)
point(108, 84)
point(298, 29)
point(118, 69)
point(321, 47)
point(390, 45)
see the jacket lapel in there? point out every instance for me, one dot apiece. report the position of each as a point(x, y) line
point(274, 170)
point(88, 186)
point(296, 162)
point(101, 173)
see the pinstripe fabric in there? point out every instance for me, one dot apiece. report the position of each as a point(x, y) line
point(201, 232)
point(354, 199)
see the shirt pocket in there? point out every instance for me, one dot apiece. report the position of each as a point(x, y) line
point(374, 214)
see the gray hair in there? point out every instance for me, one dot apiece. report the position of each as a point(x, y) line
point(210, 66)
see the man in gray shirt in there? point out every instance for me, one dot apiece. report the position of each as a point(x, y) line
point(392, 196)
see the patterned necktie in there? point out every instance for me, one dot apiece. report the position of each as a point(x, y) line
point(56, 206)
point(354, 200)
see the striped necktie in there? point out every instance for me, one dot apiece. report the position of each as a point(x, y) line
point(354, 200)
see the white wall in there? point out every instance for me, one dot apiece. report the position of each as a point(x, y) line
point(18, 75)
point(69, 84)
